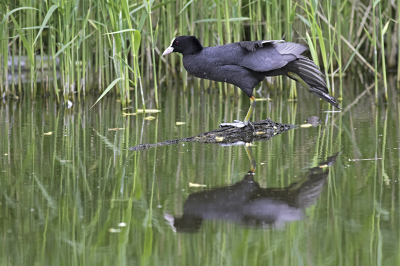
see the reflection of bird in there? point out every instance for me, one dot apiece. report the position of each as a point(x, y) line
point(247, 203)
point(245, 64)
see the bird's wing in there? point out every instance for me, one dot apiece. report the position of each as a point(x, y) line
point(253, 45)
point(263, 56)
point(290, 48)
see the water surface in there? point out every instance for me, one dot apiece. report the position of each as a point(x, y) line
point(72, 193)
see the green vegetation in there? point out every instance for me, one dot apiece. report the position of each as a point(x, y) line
point(73, 194)
point(94, 43)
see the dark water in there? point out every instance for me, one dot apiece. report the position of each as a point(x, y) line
point(73, 194)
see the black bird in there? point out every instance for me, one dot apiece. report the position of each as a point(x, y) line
point(246, 64)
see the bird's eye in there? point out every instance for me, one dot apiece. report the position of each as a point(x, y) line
point(176, 42)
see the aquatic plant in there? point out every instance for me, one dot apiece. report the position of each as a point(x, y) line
point(93, 43)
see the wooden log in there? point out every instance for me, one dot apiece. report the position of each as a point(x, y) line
point(265, 129)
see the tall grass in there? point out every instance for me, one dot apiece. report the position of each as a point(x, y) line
point(98, 42)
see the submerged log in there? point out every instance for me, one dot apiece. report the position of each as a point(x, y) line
point(264, 130)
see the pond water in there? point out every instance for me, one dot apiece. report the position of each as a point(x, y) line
point(72, 193)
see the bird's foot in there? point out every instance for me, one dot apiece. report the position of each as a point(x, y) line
point(239, 124)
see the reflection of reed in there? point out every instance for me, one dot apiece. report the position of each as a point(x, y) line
point(246, 203)
point(25, 76)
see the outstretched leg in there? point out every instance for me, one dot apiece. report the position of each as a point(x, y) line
point(246, 121)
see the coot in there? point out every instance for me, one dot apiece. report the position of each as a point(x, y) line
point(245, 64)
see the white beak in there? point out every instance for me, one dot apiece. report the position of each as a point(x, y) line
point(168, 50)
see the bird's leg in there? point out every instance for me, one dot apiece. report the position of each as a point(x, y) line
point(250, 112)
point(246, 121)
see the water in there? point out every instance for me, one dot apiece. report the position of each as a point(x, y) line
point(73, 194)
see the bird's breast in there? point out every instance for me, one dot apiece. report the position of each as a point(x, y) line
point(200, 68)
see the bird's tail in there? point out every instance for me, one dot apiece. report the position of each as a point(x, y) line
point(307, 73)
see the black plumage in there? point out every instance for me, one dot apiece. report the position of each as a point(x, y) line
point(246, 64)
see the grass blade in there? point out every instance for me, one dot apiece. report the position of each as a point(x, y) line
point(191, 1)
point(120, 31)
point(65, 46)
point(46, 18)
point(24, 40)
point(106, 91)
point(15, 10)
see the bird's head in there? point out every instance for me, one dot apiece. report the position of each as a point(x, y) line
point(184, 45)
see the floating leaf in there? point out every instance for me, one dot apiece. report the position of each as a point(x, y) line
point(148, 111)
point(125, 114)
point(196, 185)
point(263, 99)
point(149, 117)
point(371, 159)
point(48, 133)
point(250, 144)
point(116, 129)
point(306, 125)
point(180, 123)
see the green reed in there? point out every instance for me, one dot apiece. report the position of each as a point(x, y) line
point(374, 43)
point(148, 6)
point(97, 42)
point(382, 31)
